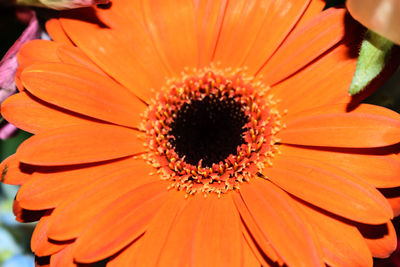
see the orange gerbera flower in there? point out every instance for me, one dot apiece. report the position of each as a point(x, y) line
point(201, 133)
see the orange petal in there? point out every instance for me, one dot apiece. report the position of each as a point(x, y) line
point(47, 190)
point(40, 244)
point(381, 239)
point(129, 19)
point(79, 144)
point(236, 25)
point(305, 44)
point(39, 233)
point(244, 38)
point(17, 80)
point(123, 15)
point(171, 25)
point(218, 239)
point(257, 252)
point(33, 115)
point(341, 243)
point(151, 245)
point(209, 16)
point(64, 257)
point(75, 56)
point(56, 32)
point(365, 126)
point(178, 247)
point(395, 203)
point(126, 256)
point(109, 186)
point(282, 225)
point(134, 211)
point(37, 51)
point(330, 76)
point(330, 188)
point(118, 53)
point(378, 170)
point(259, 243)
point(11, 172)
point(83, 91)
point(314, 8)
point(249, 259)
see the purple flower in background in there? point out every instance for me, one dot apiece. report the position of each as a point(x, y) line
point(9, 64)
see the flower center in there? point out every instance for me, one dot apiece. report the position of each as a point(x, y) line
point(207, 131)
point(211, 130)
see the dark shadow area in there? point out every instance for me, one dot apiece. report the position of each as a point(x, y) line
point(332, 3)
point(380, 151)
point(29, 169)
point(394, 259)
point(389, 94)
point(390, 192)
point(105, 6)
point(10, 27)
point(42, 261)
point(373, 231)
point(24, 215)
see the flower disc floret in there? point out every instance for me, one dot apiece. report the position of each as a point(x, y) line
point(244, 99)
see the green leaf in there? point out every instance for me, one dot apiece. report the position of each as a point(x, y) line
point(9, 146)
point(374, 54)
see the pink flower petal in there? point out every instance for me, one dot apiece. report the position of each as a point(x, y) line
point(9, 64)
point(7, 131)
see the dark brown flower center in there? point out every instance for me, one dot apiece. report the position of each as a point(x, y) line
point(208, 130)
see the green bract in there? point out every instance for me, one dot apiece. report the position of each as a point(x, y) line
point(374, 53)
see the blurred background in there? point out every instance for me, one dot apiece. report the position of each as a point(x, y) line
point(14, 236)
